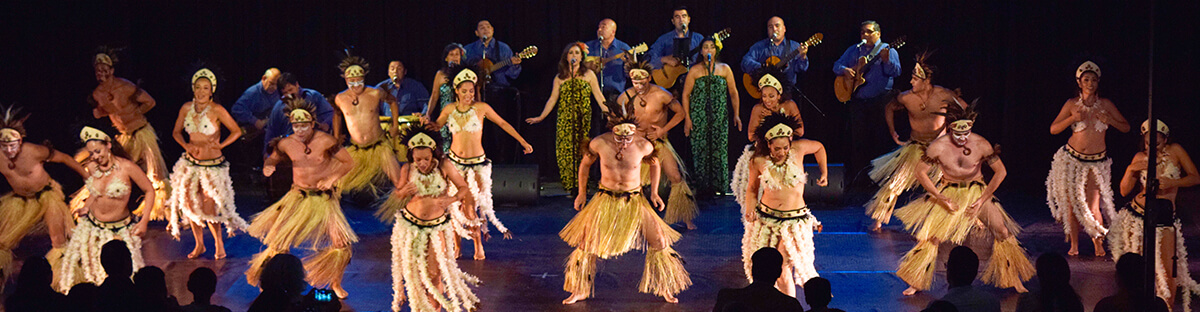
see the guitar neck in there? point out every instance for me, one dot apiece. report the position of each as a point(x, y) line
point(498, 66)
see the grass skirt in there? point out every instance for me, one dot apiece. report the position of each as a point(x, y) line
point(208, 177)
point(142, 146)
point(664, 274)
point(896, 173)
point(20, 216)
point(305, 217)
point(926, 219)
point(611, 225)
point(681, 204)
point(792, 230)
point(370, 164)
point(419, 246)
point(81, 258)
point(479, 180)
point(1066, 190)
point(1126, 236)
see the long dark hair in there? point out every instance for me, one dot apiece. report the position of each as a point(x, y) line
point(564, 63)
point(762, 146)
point(716, 56)
point(446, 68)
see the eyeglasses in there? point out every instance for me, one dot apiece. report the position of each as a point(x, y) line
point(868, 31)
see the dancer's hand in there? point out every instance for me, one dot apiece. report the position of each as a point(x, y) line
point(81, 211)
point(655, 133)
point(824, 180)
point(896, 138)
point(268, 170)
point(507, 234)
point(1138, 164)
point(409, 189)
point(749, 216)
point(687, 127)
point(534, 120)
point(657, 202)
point(326, 184)
point(820, 227)
point(946, 203)
point(974, 208)
point(737, 122)
point(528, 148)
point(580, 200)
point(394, 132)
point(139, 230)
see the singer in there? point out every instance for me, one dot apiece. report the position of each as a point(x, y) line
point(867, 136)
point(442, 93)
point(573, 87)
point(662, 52)
point(606, 45)
point(778, 46)
point(708, 89)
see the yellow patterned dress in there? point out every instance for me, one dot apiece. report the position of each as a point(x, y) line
point(574, 121)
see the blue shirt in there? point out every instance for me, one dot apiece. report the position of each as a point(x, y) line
point(253, 105)
point(411, 96)
point(665, 45)
point(764, 49)
point(280, 126)
point(497, 52)
point(613, 77)
point(879, 74)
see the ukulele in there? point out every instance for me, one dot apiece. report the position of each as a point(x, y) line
point(751, 84)
point(668, 74)
point(844, 86)
point(487, 67)
point(594, 62)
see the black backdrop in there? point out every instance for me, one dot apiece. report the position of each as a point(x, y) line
point(1018, 56)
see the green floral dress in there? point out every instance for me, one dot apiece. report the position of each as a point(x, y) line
point(445, 97)
point(574, 121)
point(710, 134)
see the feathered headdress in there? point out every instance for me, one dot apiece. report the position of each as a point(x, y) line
point(961, 119)
point(299, 110)
point(639, 70)
point(12, 124)
point(354, 66)
point(106, 55)
point(769, 76)
point(421, 134)
point(776, 125)
point(621, 119)
point(922, 69)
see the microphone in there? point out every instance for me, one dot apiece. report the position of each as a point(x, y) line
point(774, 35)
point(685, 28)
point(709, 57)
point(601, 37)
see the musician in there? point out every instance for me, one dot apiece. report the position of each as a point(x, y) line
point(604, 46)
point(498, 92)
point(250, 110)
point(866, 105)
point(278, 124)
point(663, 50)
point(778, 46)
point(410, 94)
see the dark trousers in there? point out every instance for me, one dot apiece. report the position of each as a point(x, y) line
point(868, 137)
point(501, 147)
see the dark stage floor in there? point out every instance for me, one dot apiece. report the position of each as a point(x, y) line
point(525, 274)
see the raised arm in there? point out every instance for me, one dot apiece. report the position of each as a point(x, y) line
point(63, 158)
point(143, 100)
point(491, 115)
point(549, 103)
point(1130, 180)
point(1066, 117)
point(818, 150)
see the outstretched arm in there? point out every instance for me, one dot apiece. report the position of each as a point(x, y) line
point(549, 103)
point(491, 115)
point(63, 158)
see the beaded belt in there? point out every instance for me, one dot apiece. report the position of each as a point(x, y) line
point(113, 226)
point(422, 222)
point(626, 195)
point(469, 161)
point(215, 162)
point(765, 211)
point(1101, 156)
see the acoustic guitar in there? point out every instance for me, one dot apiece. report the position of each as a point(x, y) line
point(488, 67)
point(844, 86)
point(668, 74)
point(594, 62)
point(751, 84)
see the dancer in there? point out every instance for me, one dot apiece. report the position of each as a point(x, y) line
point(358, 107)
point(310, 214)
point(772, 102)
point(895, 172)
point(709, 86)
point(201, 190)
point(958, 204)
point(126, 104)
point(651, 109)
point(465, 121)
point(36, 199)
point(1175, 170)
point(574, 86)
point(780, 218)
point(619, 218)
point(427, 223)
point(442, 93)
point(102, 212)
point(1079, 186)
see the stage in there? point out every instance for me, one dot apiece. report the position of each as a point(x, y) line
point(525, 273)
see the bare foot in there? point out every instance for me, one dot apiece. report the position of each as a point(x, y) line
point(341, 292)
point(1098, 244)
point(1074, 251)
point(479, 255)
point(690, 225)
point(1021, 288)
point(671, 299)
point(575, 298)
point(220, 253)
point(878, 226)
point(909, 292)
point(196, 253)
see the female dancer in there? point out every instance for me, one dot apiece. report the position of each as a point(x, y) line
point(102, 211)
point(427, 223)
point(201, 191)
point(1078, 189)
point(772, 102)
point(708, 87)
point(574, 86)
point(443, 92)
point(1175, 170)
point(465, 119)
